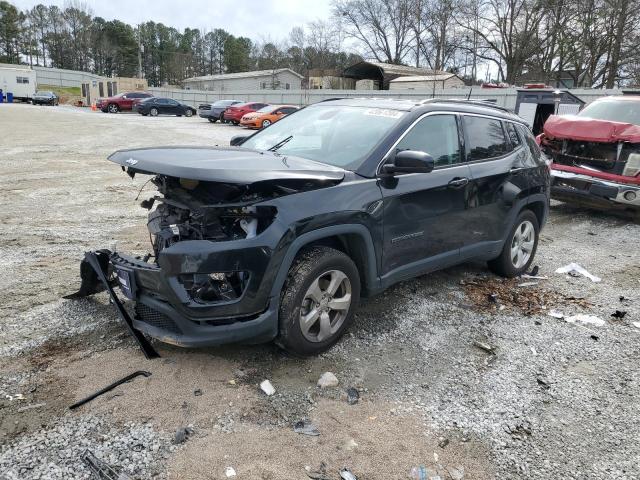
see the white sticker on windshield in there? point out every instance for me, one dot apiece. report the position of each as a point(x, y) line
point(383, 112)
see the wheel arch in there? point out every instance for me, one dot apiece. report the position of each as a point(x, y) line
point(352, 239)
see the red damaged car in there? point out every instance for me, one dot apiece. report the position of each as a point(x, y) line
point(596, 153)
point(234, 113)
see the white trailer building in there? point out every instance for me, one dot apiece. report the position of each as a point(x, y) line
point(19, 80)
point(277, 79)
point(439, 80)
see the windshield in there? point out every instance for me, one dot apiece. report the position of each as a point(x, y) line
point(337, 135)
point(267, 109)
point(625, 111)
point(44, 94)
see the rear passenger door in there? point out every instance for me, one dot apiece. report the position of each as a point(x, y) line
point(425, 213)
point(498, 161)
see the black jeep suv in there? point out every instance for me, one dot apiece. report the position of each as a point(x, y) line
point(278, 237)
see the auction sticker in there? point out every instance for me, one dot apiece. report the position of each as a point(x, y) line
point(383, 112)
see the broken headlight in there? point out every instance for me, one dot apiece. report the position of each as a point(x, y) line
point(214, 287)
point(632, 167)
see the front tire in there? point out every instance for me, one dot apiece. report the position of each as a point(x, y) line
point(317, 301)
point(520, 248)
point(266, 123)
point(153, 112)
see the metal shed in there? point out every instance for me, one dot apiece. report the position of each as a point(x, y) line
point(382, 73)
point(536, 105)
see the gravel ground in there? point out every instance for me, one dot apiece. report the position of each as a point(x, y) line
point(551, 399)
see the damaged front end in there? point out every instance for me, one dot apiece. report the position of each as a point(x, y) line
point(595, 162)
point(214, 244)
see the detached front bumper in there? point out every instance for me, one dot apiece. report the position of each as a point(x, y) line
point(602, 193)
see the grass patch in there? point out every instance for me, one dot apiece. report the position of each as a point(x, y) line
point(76, 91)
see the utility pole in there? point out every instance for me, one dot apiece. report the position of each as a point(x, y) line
point(139, 53)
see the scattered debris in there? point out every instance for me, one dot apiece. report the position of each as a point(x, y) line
point(544, 383)
point(197, 392)
point(345, 474)
point(456, 473)
point(31, 407)
point(555, 314)
point(352, 395)
point(126, 379)
point(493, 297)
point(534, 271)
point(484, 346)
point(574, 268)
point(586, 320)
point(17, 396)
point(443, 442)
point(520, 431)
point(534, 277)
point(305, 427)
point(328, 380)
point(350, 445)
point(267, 388)
point(320, 474)
point(419, 473)
point(100, 469)
point(636, 324)
point(595, 337)
point(619, 314)
point(527, 284)
point(230, 472)
point(182, 435)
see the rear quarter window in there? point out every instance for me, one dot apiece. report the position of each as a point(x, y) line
point(485, 138)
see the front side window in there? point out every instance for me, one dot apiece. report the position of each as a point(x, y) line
point(485, 138)
point(333, 134)
point(436, 135)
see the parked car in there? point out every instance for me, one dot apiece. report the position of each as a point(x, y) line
point(280, 237)
point(163, 106)
point(266, 116)
point(215, 111)
point(45, 98)
point(596, 154)
point(122, 102)
point(234, 113)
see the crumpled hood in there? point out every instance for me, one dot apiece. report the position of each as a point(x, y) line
point(223, 164)
point(574, 127)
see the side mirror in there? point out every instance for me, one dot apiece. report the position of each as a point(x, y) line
point(409, 161)
point(237, 140)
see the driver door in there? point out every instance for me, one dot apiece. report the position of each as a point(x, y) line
point(426, 214)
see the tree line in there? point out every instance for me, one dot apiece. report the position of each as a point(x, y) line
point(593, 42)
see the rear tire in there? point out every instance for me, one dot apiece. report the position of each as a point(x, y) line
point(520, 248)
point(266, 123)
point(317, 301)
point(188, 113)
point(212, 120)
point(235, 122)
point(113, 108)
point(153, 112)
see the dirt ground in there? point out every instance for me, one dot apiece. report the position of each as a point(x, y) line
point(552, 399)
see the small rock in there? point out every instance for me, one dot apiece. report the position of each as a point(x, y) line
point(197, 392)
point(350, 445)
point(484, 346)
point(182, 435)
point(456, 473)
point(345, 474)
point(230, 472)
point(443, 442)
point(352, 396)
point(328, 380)
point(267, 388)
point(306, 428)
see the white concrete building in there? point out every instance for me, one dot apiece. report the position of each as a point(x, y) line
point(277, 79)
point(436, 81)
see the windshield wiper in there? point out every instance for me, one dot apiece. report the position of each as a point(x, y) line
point(280, 144)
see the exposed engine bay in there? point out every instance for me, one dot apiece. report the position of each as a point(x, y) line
point(606, 157)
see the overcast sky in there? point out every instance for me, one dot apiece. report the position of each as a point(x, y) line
point(257, 19)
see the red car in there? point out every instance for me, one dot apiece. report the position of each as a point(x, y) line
point(121, 102)
point(596, 154)
point(235, 113)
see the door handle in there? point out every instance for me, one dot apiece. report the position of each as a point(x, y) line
point(459, 182)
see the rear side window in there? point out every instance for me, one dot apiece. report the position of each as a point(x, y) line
point(531, 142)
point(513, 135)
point(485, 138)
point(436, 135)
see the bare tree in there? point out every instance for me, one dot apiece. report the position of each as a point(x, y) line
point(382, 26)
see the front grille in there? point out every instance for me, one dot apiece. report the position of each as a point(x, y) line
point(204, 106)
point(154, 318)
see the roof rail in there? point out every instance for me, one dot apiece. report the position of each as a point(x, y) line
point(478, 103)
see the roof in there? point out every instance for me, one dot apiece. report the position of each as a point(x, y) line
point(15, 66)
point(393, 69)
point(438, 77)
point(252, 74)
